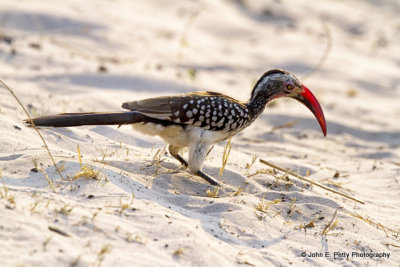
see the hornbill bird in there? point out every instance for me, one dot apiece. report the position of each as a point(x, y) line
point(196, 120)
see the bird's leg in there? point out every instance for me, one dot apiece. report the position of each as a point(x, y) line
point(197, 155)
point(174, 151)
point(207, 177)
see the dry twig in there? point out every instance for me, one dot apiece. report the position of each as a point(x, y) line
point(310, 181)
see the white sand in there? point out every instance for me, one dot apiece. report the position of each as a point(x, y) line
point(138, 214)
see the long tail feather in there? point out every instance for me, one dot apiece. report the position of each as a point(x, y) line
point(92, 118)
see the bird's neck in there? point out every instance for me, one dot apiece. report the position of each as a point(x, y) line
point(257, 103)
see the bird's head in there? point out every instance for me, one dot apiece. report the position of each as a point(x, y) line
point(279, 83)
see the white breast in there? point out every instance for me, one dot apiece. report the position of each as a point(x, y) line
point(182, 137)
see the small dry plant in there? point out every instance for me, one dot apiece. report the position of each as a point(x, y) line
point(249, 165)
point(284, 178)
point(158, 158)
point(213, 193)
point(131, 237)
point(332, 224)
point(126, 205)
point(65, 210)
point(4, 194)
point(103, 155)
point(263, 205)
point(102, 254)
point(240, 257)
point(85, 170)
point(239, 191)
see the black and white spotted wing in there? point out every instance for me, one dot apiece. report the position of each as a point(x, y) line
point(208, 110)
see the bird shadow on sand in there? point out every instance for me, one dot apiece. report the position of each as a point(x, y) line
point(173, 176)
point(181, 193)
point(186, 195)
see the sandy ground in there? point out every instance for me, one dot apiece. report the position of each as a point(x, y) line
point(142, 208)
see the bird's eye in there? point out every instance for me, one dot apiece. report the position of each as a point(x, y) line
point(289, 86)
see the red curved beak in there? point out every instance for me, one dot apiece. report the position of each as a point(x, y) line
point(309, 100)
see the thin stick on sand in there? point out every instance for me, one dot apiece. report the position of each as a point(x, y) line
point(36, 129)
point(309, 181)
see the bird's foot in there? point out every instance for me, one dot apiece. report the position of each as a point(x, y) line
point(208, 178)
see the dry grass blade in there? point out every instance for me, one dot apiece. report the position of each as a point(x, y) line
point(240, 190)
point(371, 222)
point(158, 157)
point(284, 178)
point(248, 166)
point(390, 244)
point(178, 252)
point(37, 168)
point(262, 171)
point(310, 181)
point(225, 156)
point(332, 224)
point(263, 206)
point(34, 127)
point(79, 155)
point(65, 210)
point(104, 154)
point(183, 39)
point(325, 54)
point(50, 182)
point(292, 206)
